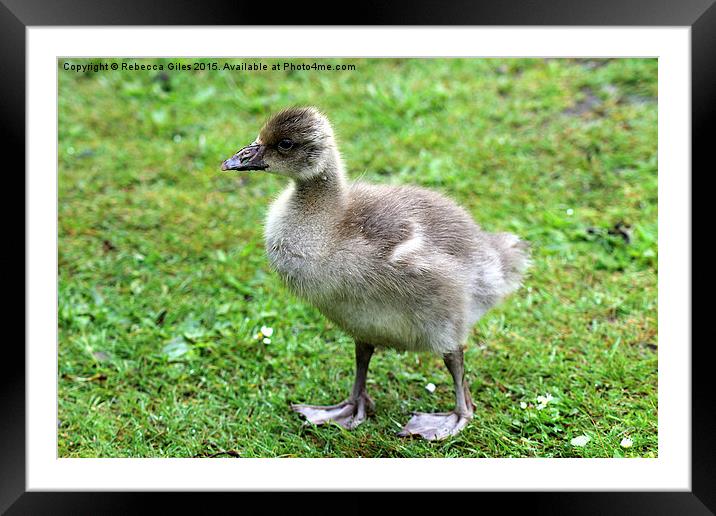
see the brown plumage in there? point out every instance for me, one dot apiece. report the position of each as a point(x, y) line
point(394, 266)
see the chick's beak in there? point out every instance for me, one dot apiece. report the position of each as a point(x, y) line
point(248, 158)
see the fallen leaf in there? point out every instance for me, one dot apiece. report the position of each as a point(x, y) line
point(176, 348)
point(108, 246)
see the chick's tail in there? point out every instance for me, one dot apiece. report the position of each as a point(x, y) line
point(515, 259)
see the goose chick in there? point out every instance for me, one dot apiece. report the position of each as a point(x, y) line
point(393, 266)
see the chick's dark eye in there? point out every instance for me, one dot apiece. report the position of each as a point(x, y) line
point(285, 144)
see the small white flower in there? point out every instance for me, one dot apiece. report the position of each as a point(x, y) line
point(523, 405)
point(541, 406)
point(570, 211)
point(626, 443)
point(430, 387)
point(266, 331)
point(581, 440)
point(543, 400)
point(266, 340)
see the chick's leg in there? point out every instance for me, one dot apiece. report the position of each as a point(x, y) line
point(438, 426)
point(352, 412)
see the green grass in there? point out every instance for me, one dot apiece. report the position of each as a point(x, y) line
point(163, 282)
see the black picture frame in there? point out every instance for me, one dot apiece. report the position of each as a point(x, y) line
point(17, 15)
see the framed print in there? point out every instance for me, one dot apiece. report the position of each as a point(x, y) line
point(438, 249)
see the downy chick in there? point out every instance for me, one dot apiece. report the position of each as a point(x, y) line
point(393, 266)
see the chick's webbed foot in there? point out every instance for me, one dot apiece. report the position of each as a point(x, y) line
point(435, 427)
point(348, 414)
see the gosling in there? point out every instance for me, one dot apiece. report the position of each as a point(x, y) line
point(393, 266)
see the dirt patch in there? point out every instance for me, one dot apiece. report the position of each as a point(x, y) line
point(589, 103)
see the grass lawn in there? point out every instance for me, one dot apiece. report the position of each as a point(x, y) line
point(163, 281)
